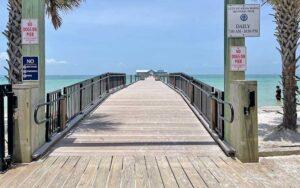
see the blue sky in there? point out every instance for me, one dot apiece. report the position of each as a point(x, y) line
point(125, 35)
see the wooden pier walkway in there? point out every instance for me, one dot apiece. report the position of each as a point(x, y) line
point(146, 118)
point(146, 136)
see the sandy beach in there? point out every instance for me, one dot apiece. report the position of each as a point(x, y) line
point(272, 140)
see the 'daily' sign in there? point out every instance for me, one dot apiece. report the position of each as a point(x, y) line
point(30, 31)
point(243, 20)
point(238, 58)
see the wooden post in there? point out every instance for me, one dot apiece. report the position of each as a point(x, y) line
point(191, 91)
point(63, 113)
point(214, 112)
point(229, 75)
point(28, 136)
point(244, 132)
point(26, 132)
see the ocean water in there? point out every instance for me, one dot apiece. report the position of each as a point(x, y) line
point(266, 84)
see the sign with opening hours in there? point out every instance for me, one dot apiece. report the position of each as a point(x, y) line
point(243, 20)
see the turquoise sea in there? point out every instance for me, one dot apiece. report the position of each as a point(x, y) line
point(266, 84)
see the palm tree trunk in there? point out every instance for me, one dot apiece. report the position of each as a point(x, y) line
point(13, 35)
point(286, 17)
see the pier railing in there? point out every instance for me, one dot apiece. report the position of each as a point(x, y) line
point(8, 103)
point(207, 100)
point(64, 105)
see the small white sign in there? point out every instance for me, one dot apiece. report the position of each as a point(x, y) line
point(30, 31)
point(243, 20)
point(238, 58)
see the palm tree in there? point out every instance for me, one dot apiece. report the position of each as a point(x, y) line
point(287, 19)
point(13, 31)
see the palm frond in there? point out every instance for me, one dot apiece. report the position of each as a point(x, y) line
point(54, 7)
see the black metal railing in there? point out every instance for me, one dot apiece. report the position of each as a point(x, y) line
point(132, 79)
point(8, 103)
point(207, 100)
point(53, 113)
point(64, 105)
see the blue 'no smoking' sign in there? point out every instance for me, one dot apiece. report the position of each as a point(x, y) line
point(30, 68)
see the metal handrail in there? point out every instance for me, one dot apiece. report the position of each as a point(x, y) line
point(211, 96)
point(37, 108)
point(41, 105)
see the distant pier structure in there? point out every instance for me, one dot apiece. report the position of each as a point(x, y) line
point(144, 73)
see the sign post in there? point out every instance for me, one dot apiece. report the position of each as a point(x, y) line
point(229, 75)
point(240, 21)
point(28, 136)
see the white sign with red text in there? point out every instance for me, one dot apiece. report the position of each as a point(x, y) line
point(238, 58)
point(30, 31)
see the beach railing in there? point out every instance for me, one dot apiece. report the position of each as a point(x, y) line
point(64, 105)
point(207, 100)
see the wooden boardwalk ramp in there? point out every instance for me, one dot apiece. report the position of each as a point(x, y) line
point(146, 136)
point(146, 118)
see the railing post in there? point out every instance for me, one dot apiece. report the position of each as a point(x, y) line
point(80, 97)
point(108, 83)
point(92, 91)
point(174, 81)
point(47, 138)
point(130, 79)
point(2, 132)
point(63, 112)
point(11, 101)
point(59, 111)
point(214, 111)
point(192, 93)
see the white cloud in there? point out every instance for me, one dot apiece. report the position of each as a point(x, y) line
point(3, 56)
point(55, 62)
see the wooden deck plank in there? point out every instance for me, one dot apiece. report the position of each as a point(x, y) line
point(247, 173)
point(36, 175)
point(231, 175)
point(116, 171)
point(191, 172)
point(48, 177)
point(179, 174)
point(222, 178)
point(141, 175)
point(11, 174)
point(155, 179)
point(88, 177)
point(103, 172)
point(77, 172)
point(128, 172)
point(166, 172)
point(206, 175)
point(24, 174)
point(64, 173)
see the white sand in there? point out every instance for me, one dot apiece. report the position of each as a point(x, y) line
point(268, 134)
